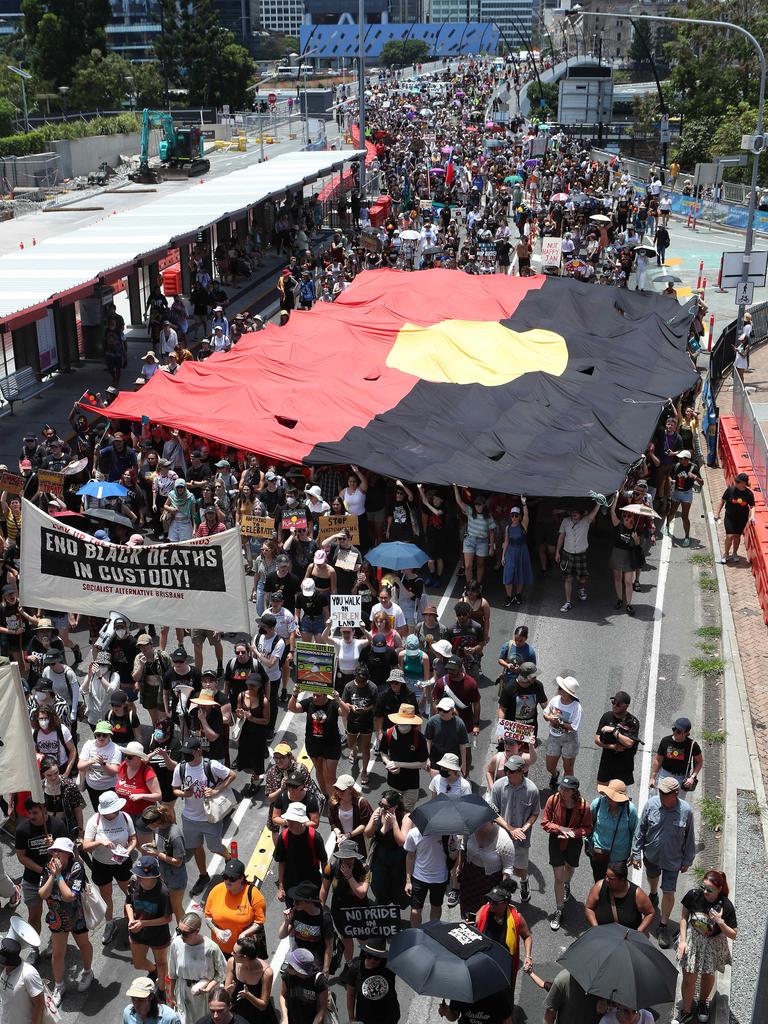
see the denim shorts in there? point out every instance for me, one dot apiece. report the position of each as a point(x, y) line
point(668, 875)
point(312, 624)
point(478, 546)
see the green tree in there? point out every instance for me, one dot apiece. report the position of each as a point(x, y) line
point(148, 85)
point(641, 43)
point(100, 81)
point(168, 45)
point(7, 114)
point(214, 68)
point(396, 54)
point(236, 72)
point(61, 32)
point(645, 114)
point(694, 144)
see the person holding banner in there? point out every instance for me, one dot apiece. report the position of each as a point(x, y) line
point(345, 877)
point(510, 747)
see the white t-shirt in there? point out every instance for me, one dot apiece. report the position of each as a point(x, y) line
point(576, 535)
point(570, 713)
point(119, 831)
point(430, 865)
point(95, 775)
point(394, 613)
point(272, 646)
point(349, 654)
point(17, 990)
point(441, 786)
point(49, 744)
point(195, 775)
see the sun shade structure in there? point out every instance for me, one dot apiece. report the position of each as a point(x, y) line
point(69, 265)
point(521, 385)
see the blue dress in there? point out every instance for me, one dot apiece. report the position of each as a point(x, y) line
point(517, 561)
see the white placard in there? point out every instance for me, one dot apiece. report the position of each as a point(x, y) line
point(551, 251)
point(346, 609)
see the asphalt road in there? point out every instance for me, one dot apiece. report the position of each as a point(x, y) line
point(606, 650)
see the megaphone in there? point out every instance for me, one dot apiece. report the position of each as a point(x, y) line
point(23, 933)
point(107, 631)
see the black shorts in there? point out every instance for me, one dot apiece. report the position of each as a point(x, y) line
point(105, 874)
point(570, 855)
point(419, 892)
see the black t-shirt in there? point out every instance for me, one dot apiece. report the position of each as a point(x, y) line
point(520, 703)
point(280, 805)
point(304, 857)
point(698, 907)
point(618, 764)
point(678, 757)
point(503, 249)
point(462, 637)
point(123, 651)
point(375, 993)
point(345, 578)
point(123, 726)
point(31, 840)
point(363, 700)
point(311, 930)
point(409, 747)
point(313, 605)
point(390, 700)
point(379, 663)
point(622, 537)
point(737, 505)
point(302, 995)
point(490, 1010)
point(321, 729)
point(682, 476)
point(301, 553)
point(289, 584)
point(215, 749)
point(271, 499)
point(148, 904)
point(236, 673)
point(172, 680)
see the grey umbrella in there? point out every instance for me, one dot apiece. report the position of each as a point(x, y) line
point(108, 515)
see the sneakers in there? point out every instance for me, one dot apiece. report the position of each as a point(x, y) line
point(525, 891)
point(555, 920)
point(110, 927)
point(566, 607)
point(663, 936)
point(84, 981)
point(57, 994)
point(684, 1017)
point(452, 898)
point(582, 594)
point(686, 542)
point(553, 780)
point(567, 891)
point(509, 602)
point(283, 698)
point(200, 884)
point(702, 1011)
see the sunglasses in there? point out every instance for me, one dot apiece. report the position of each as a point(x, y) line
point(186, 935)
point(708, 888)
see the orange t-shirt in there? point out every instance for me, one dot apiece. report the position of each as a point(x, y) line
point(234, 912)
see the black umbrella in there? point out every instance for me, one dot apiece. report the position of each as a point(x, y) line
point(108, 515)
point(447, 816)
point(454, 961)
point(622, 965)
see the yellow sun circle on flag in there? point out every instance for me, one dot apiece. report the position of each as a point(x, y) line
point(476, 352)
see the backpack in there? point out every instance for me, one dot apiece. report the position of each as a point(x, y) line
point(212, 782)
point(311, 837)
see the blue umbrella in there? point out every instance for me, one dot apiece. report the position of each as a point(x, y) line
point(103, 489)
point(397, 555)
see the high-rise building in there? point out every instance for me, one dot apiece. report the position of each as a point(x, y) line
point(513, 17)
point(345, 12)
point(284, 16)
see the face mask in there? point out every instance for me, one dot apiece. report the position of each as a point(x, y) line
point(121, 633)
point(103, 670)
point(44, 723)
point(404, 728)
point(158, 734)
point(188, 758)
point(290, 501)
point(445, 773)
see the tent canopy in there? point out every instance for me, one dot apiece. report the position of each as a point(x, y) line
point(534, 385)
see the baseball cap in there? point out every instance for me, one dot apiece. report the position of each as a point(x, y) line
point(453, 662)
point(445, 704)
point(669, 785)
point(147, 867)
point(514, 763)
point(295, 779)
point(268, 619)
point(282, 560)
point(282, 748)
point(569, 782)
point(141, 988)
point(234, 868)
point(681, 725)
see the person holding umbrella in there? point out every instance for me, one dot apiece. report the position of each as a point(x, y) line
point(494, 1009)
point(499, 920)
point(616, 899)
point(371, 993)
point(665, 837)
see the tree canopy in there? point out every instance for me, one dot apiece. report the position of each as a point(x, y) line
point(61, 32)
point(396, 54)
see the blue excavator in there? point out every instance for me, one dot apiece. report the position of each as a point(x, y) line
point(180, 150)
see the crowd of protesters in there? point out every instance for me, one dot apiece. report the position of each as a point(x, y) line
point(141, 741)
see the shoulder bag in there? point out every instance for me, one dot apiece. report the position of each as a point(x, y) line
point(603, 856)
point(686, 786)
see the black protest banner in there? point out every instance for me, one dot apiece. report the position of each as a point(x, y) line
point(376, 920)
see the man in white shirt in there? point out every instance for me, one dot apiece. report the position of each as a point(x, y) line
point(428, 864)
point(21, 987)
point(194, 781)
point(571, 552)
point(167, 340)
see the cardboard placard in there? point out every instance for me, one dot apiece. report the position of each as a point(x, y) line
point(551, 251)
point(11, 483)
point(520, 731)
point(293, 519)
point(346, 609)
point(51, 483)
point(328, 525)
point(257, 526)
point(316, 688)
point(314, 663)
point(379, 920)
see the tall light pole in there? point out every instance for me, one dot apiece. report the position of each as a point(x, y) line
point(25, 77)
point(756, 142)
point(361, 92)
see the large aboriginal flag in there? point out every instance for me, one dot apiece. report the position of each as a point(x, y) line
point(534, 385)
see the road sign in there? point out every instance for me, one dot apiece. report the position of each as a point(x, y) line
point(732, 269)
point(664, 123)
point(744, 293)
point(665, 134)
point(272, 99)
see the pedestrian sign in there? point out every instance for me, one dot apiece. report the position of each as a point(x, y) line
point(744, 292)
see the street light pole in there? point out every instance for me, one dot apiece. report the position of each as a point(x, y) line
point(25, 76)
point(361, 92)
point(758, 134)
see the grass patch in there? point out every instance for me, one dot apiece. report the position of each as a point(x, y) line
point(712, 813)
point(708, 648)
point(708, 667)
point(707, 582)
point(698, 873)
point(701, 559)
point(709, 632)
point(753, 808)
point(713, 737)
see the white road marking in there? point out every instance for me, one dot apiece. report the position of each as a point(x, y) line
point(653, 671)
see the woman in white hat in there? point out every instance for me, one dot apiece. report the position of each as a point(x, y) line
point(61, 886)
point(138, 784)
point(349, 812)
point(684, 475)
point(563, 713)
point(110, 838)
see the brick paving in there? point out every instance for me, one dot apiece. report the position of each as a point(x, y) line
point(751, 630)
